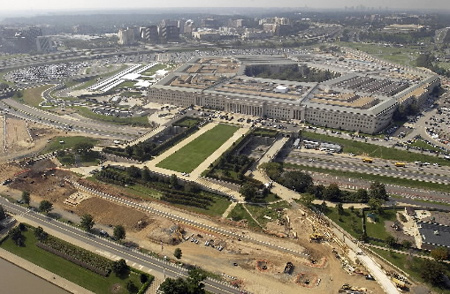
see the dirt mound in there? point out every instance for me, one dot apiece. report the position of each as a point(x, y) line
point(106, 212)
point(44, 181)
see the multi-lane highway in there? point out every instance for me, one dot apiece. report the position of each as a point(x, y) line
point(430, 173)
point(140, 260)
point(26, 112)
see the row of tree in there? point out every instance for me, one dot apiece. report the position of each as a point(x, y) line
point(172, 190)
point(145, 150)
point(303, 183)
point(191, 285)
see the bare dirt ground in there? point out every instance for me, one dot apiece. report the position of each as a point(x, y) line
point(43, 181)
point(17, 136)
point(23, 138)
point(108, 213)
point(239, 261)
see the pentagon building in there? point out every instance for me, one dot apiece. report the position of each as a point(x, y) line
point(362, 98)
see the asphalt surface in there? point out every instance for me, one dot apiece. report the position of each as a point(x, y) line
point(132, 256)
point(431, 174)
point(26, 112)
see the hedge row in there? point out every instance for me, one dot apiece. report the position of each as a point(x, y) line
point(101, 271)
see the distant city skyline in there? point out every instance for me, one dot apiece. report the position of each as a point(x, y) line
point(51, 5)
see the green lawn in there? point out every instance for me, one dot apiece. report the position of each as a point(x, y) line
point(139, 121)
point(69, 142)
point(218, 207)
point(372, 150)
point(377, 229)
point(405, 55)
point(193, 154)
point(258, 212)
point(424, 145)
point(33, 96)
point(151, 71)
point(239, 213)
point(411, 265)
point(349, 221)
point(143, 192)
point(220, 204)
point(66, 269)
point(187, 122)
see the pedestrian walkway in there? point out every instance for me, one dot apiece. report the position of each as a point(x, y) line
point(229, 209)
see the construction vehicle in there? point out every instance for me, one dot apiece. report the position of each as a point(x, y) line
point(288, 268)
point(315, 237)
point(399, 284)
point(400, 164)
point(367, 160)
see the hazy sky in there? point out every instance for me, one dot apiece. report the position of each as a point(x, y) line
point(30, 5)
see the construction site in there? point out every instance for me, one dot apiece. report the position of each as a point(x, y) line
point(251, 265)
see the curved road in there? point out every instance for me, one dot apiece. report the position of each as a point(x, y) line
point(86, 126)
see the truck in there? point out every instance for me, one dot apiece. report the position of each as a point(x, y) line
point(367, 160)
point(400, 164)
point(399, 284)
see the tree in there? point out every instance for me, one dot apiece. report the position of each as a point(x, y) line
point(87, 222)
point(440, 253)
point(174, 181)
point(40, 234)
point(83, 147)
point(16, 235)
point(119, 232)
point(22, 227)
point(363, 237)
point(174, 286)
point(191, 285)
point(432, 272)
point(297, 180)
point(378, 191)
point(145, 175)
point(406, 244)
point(362, 195)
point(134, 172)
point(2, 213)
point(391, 241)
point(120, 267)
point(26, 197)
point(340, 209)
point(317, 191)
point(131, 287)
point(194, 281)
point(143, 278)
point(332, 192)
point(375, 204)
point(191, 187)
point(177, 253)
point(272, 169)
point(307, 199)
point(248, 191)
point(45, 206)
